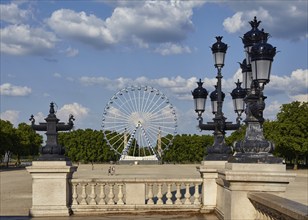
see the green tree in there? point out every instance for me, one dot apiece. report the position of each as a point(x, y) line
point(7, 138)
point(291, 130)
point(86, 146)
point(27, 142)
point(187, 148)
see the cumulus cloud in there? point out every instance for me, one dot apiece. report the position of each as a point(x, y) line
point(8, 89)
point(178, 86)
point(39, 117)
point(75, 109)
point(23, 39)
point(82, 27)
point(153, 21)
point(11, 13)
point(170, 49)
point(10, 115)
point(275, 17)
point(234, 23)
point(141, 23)
point(294, 86)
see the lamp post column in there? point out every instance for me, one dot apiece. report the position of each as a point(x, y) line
point(255, 148)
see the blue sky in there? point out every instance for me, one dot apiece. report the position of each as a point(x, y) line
point(79, 53)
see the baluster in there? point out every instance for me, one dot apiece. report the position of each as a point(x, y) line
point(187, 195)
point(169, 195)
point(75, 194)
point(120, 194)
point(93, 194)
point(196, 201)
point(150, 195)
point(84, 194)
point(259, 215)
point(178, 194)
point(159, 194)
point(111, 195)
point(102, 195)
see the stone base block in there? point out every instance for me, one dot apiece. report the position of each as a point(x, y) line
point(218, 165)
point(238, 179)
point(50, 187)
point(209, 174)
point(49, 211)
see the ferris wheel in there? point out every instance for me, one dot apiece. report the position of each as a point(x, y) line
point(138, 123)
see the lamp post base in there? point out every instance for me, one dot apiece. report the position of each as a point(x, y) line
point(217, 157)
point(251, 157)
point(52, 157)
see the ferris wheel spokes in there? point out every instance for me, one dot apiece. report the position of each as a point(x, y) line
point(138, 123)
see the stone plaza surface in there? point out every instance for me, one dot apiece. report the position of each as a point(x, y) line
point(16, 187)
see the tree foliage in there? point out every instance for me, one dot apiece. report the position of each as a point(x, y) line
point(86, 146)
point(20, 141)
point(89, 146)
point(289, 133)
point(291, 130)
point(187, 148)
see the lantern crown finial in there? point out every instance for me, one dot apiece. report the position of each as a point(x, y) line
point(199, 92)
point(254, 23)
point(219, 46)
point(255, 35)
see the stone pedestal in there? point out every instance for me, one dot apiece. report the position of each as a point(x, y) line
point(135, 193)
point(209, 174)
point(50, 188)
point(238, 179)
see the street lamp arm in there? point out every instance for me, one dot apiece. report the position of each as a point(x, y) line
point(230, 126)
point(210, 126)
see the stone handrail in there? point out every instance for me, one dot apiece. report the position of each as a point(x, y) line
point(101, 195)
point(272, 207)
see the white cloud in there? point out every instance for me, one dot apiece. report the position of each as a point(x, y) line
point(139, 23)
point(272, 109)
point(39, 117)
point(75, 109)
point(294, 85)
point(71, 52)
point(23, 39)
point(234, 23)
point(170, 49)
point(57, 75)
point(82, 27)
point(8, 89)
point(274, 16)
point(153, 21)
point(10, 115)
point(12, 14)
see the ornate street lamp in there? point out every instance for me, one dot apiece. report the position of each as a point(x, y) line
point(247, 75)
point(200, 95)
point(238, 94)
point(262, 56)
point(219, 150)
point(214, 100)
point(255, 148)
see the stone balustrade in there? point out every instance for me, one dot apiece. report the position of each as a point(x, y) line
point(110, 195)
point(272, 207)
point(229, 190)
